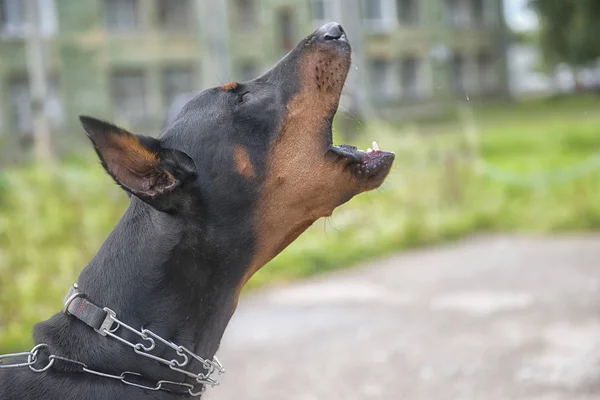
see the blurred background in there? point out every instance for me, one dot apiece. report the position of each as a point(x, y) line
point(492, 107)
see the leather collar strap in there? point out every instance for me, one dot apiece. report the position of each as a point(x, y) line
point(77, 305)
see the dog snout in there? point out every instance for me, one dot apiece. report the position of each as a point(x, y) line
point(331, 31)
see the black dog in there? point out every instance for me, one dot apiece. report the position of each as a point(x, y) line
point(239, 175)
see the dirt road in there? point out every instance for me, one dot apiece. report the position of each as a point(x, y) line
point(490, 318)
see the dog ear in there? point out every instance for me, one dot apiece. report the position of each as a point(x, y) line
point(138, 163)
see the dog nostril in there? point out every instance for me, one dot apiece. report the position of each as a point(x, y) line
point(332, 31)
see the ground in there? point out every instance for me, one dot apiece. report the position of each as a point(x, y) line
point(490, 318)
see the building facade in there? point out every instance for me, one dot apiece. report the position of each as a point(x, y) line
point(126, 60)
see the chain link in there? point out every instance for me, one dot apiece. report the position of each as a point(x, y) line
point(110, 327)
point(16, 355)
point(125, 377)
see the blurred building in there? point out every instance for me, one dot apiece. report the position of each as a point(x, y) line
point(126, 60)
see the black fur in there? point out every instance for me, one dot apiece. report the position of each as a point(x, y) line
point(174, 262)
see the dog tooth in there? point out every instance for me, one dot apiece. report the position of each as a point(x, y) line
point(375, 146)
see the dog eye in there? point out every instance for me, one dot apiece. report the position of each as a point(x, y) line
point(242, 97)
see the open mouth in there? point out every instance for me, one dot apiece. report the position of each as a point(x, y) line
point(331, 66)
point(365, 164)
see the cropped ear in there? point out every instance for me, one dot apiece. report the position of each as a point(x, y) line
point(137, 163)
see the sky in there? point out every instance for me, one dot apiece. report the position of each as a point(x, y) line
point(518, 16)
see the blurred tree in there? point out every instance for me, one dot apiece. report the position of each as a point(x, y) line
point(38, 82)
point(569, 31)
point(523, 37)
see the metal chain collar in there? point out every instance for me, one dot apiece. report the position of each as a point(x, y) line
point(109, 327)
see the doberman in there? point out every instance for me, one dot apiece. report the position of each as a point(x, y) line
point(243, 170)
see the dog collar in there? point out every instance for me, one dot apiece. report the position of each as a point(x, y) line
point(105, 322)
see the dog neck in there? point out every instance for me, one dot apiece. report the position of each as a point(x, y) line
point(176, 278)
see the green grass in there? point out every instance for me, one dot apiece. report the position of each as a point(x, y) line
point(52, 222)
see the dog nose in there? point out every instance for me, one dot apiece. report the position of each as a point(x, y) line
point(332, 31)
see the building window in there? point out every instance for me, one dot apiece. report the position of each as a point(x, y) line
point(373, 10)
point(379, 15)
point(128, 91)
point(318, 10)
point(457, 12)
point(478, 12)
point(20, 110)
point(122, 15)
point(408, 11)
point(21, 114)
point(487, 73)
point(459, 74)
point(247, 14)
point(48, 18)
point(175, 15)
point(321, 11)
point(285, 26)
point(382, 79)
point(177, 81)
point(248, 70)
point(483, 12)
point(12, 17)
point(409, 73)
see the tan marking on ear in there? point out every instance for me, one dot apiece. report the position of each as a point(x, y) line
point(230, 86)
point(302, 185)
point(243, 163)
point(139, 158)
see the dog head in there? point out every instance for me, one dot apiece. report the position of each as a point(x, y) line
point(252, 161)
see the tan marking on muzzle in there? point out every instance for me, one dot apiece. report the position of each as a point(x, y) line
point(301, 184)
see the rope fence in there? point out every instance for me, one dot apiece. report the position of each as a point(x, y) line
point(485, 169)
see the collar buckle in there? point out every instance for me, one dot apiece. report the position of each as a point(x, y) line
point(109, 321)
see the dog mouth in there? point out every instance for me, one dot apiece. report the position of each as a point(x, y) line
point(366, 165)
point(328, 65)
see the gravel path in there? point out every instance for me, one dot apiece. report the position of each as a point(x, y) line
point(490, 318)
